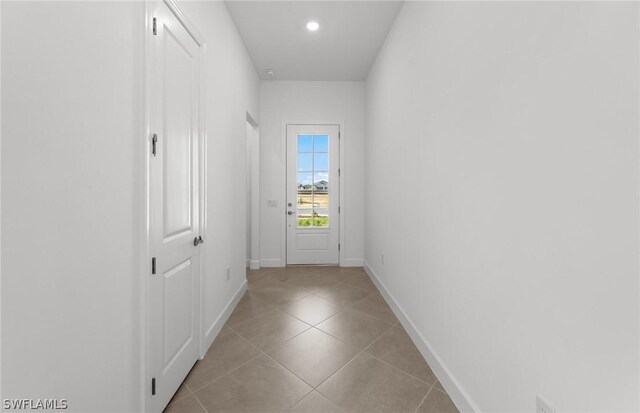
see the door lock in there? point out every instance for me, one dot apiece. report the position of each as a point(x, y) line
point(197, 240)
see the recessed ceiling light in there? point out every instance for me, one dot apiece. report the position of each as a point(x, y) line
point(313, 26)
point(269, 72)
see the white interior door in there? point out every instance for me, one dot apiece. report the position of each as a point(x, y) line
point(313, 220)
point(174, 168)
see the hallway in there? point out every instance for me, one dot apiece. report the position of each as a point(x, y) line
point(311, 339)
point(466, 173)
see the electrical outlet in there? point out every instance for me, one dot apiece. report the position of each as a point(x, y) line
point(382, 259)
point(228, 273)
point(543, 406)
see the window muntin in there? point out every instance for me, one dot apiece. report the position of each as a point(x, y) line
point(312, 159)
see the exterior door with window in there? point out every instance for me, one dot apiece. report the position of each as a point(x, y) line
point(313, 221)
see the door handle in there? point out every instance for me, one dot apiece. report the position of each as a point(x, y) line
point(197, 240)
point(290, 213)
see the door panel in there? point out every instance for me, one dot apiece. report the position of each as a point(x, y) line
point(312, 241)
point(174, 174)
point(177, 311)
point(313, 221)
point(178, 86)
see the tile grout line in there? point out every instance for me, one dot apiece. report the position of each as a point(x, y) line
point(290, 338)
point(392, 326)
point(224, 375)
point(441, 391)
point(351, 345)
point(252, 317)
point(200, 403)
point(369, 294)
point(364, 350)
point(365, 314)
point(397, 322)
point(181, 398)
point(306, 294)
point(339, 281)
point(230, 327)
point(402, 371)
point(234, 369)
point(336, 338)
point(360, 288)
point(274, 307)
point(264, 353)
point(314, 326)
point(387, 331)
point(377, 318)
point(346, 364)
point(423, 399)
point(295, 375)
point(273, 347)
point(313, 388)
point(389, 364)
point(339, 339)
point(289, 284)
point(344, 306)
point(351, 306)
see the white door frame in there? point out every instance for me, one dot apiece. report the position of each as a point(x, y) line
point(254, 262)
point(341, 203)
point(145, 241)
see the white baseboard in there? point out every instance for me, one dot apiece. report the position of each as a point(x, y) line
point(214, 329)
point(277, 262)
point(352, 262)
point(271, 262)
point(254, 265)
point(458, 395)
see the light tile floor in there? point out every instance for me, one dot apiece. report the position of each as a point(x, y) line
point(311, 339)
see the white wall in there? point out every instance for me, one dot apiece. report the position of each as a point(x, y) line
point(309, 102)
point(72, 198)
point(70, 202)
point(502, 165)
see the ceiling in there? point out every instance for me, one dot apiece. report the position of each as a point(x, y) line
point(344, 48)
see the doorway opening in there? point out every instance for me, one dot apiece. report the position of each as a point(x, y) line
point(253, 195)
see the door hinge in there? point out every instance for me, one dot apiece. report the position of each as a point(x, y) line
point(338, 210)
point(153, 386)
point(339, 135)
point(155, 26)
point(153, 265)
point(338, 246)
point(154, 141)
point(339, 172)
